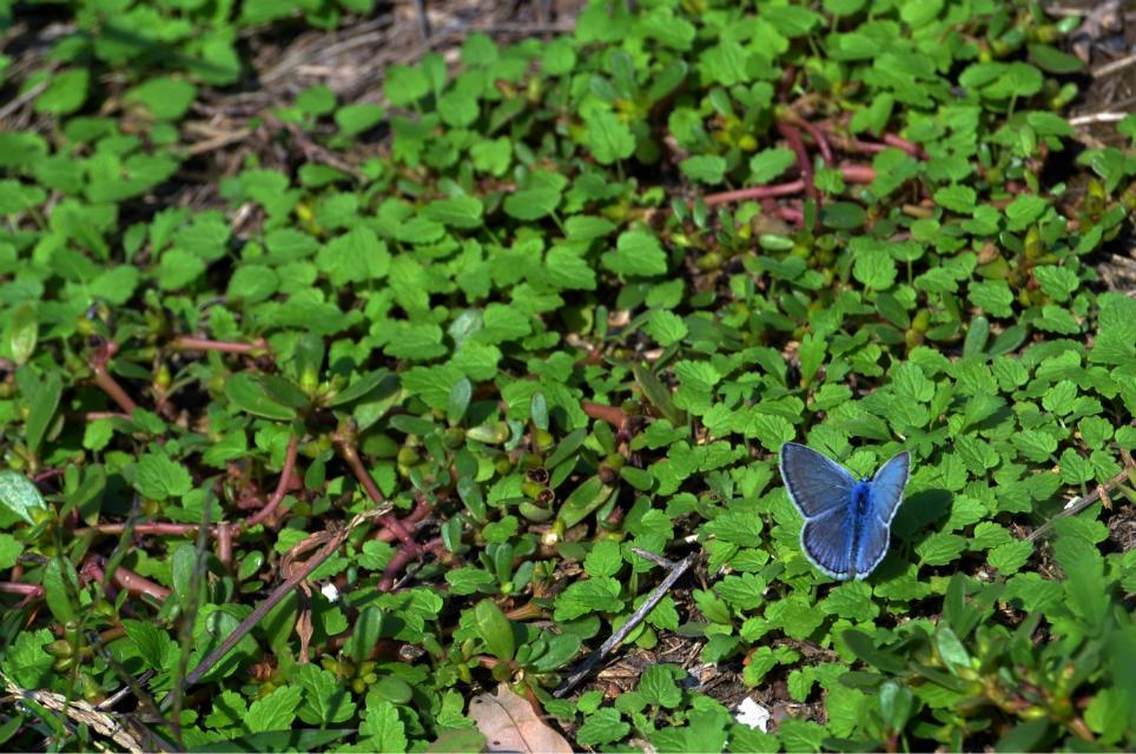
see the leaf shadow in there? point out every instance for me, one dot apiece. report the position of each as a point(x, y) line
point(919, 510)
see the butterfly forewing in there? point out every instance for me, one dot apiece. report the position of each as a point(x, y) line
point(887, 487)
point(816, 484)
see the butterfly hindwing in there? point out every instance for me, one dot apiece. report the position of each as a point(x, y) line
point(816, 484)
point(874, 527)
point(827, 542)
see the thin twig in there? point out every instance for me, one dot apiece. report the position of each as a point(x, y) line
point(335, 540)
point(1085, 120)
point(1114, 66)
point(656, 595)
point(1078, 504)
point(24, 98)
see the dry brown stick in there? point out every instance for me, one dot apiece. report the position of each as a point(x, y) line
point(1078, 504)
point(1114, 66)
point(23, 99)
point(656, 595)
point(334, 540)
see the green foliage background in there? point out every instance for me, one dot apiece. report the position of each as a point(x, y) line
point(495, 248)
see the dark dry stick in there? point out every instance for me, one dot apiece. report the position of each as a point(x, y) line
point(334, 542)
point(1078, 504)
point(676, 572)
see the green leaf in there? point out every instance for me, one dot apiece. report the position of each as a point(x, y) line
point(495, 630)
point(704, 168)
point(358, 118)
point(23, 332)
point(608, 138)
point(20, 495)
point(658, 687)
point(604, 559)
point(66, 92)
point(158, 477)
point(602, 727)
point(456, 212)
point(667, 328)
point(583, 501)
point(637, 253)
point(273, 712)
point(532, 204)
point(42, 404)
point(166, 97)
point(249, 393)
point(770, 163)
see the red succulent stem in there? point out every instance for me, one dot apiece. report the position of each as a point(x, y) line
point(852, 173)
point(106, 382)
point(188, 343)
point(403, 558)
point(132, 582)
point(793, 136)
point(613, 415)
point(16, 587)
point(911, 148)
point(422, 509)
point(282, 486)
point(390, 521)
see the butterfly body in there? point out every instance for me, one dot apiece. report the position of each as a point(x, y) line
point(847, 526)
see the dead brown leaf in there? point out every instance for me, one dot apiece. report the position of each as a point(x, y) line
point(509, 723)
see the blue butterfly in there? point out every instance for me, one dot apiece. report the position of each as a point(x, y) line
point(847, 521)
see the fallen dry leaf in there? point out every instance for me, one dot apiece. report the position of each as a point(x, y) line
point(509, 723)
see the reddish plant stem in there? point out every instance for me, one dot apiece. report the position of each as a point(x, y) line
point(613, 415)
point(788, 214)
point(45, 474)
point(422, 509)
point(30, 591)
point(403, 558)
point(858, 173)
point(755, 192)
point(282, 486)
point(911, 148)
point(92, 416)
point(188, 343)
point(852, 173)
point(390, 521)
point(225, 545)
point(155, 529)
point(819, 138)
point(791, 215)
point(129, 580)
point(109, 385)
point(793, 136)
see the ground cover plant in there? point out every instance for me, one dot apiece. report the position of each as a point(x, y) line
point(326, 414)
